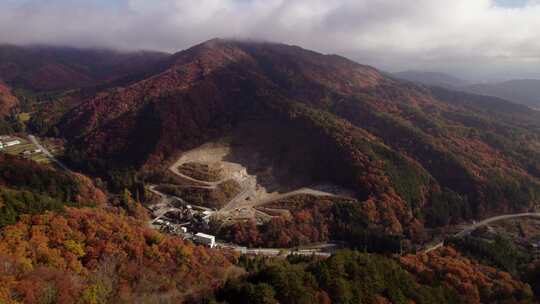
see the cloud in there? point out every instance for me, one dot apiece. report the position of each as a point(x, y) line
point(478, 38)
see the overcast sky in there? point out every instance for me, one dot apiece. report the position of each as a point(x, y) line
point(478, 39)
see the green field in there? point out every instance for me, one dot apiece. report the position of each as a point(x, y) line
point(24, 117)
point(26, 145)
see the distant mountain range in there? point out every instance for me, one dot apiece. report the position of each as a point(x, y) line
point(432, 79)
point(523, 91)
point(46, 68)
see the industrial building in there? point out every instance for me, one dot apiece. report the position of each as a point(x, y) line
point(8, 143)
point(205, 239)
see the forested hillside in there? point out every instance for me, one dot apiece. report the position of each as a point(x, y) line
point(47, 68)
point(7, 100)
point(411, 154)
point(354, 277)
point(413, 162)
point(27, 187)
point(95, 256)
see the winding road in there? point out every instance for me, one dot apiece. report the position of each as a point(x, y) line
point(250, 195)
point(469, 229)
point(201, 183)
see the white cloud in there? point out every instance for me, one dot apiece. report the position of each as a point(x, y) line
point(473, 37)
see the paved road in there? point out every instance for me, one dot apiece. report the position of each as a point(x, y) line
point(473, 227)
point(274, 252)
point(34, 140)
point(286, 252)
point(469, 229)
point(434, 247)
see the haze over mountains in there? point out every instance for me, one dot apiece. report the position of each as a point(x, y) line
point(49, 68)
point(142, 161)
point(523, 91)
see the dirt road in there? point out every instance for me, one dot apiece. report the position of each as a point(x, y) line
point(251, 193)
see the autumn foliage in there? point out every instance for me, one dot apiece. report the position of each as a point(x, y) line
point(346, 277)
point(304, 219)
point(27, 187)
point(412, 155)
point(7, 100)
point(94, 256)
point(476, 283)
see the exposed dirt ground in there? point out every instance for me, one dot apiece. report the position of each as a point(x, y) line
point(258, 187)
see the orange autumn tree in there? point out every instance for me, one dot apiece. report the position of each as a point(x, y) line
point(476, 283)
point(94, 256)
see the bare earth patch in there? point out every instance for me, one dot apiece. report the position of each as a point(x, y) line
point(210, 169)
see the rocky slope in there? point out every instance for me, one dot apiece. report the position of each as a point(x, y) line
point(521, 91)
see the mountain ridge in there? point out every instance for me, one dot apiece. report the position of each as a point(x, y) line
point(395, 166)
point(405, 149)
point(49, 68)
point(522, 91)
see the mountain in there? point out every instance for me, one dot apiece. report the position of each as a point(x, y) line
point(46, 68)
point(412, 161)
point(414, 156)
point(432, 79)
point(523, 91)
